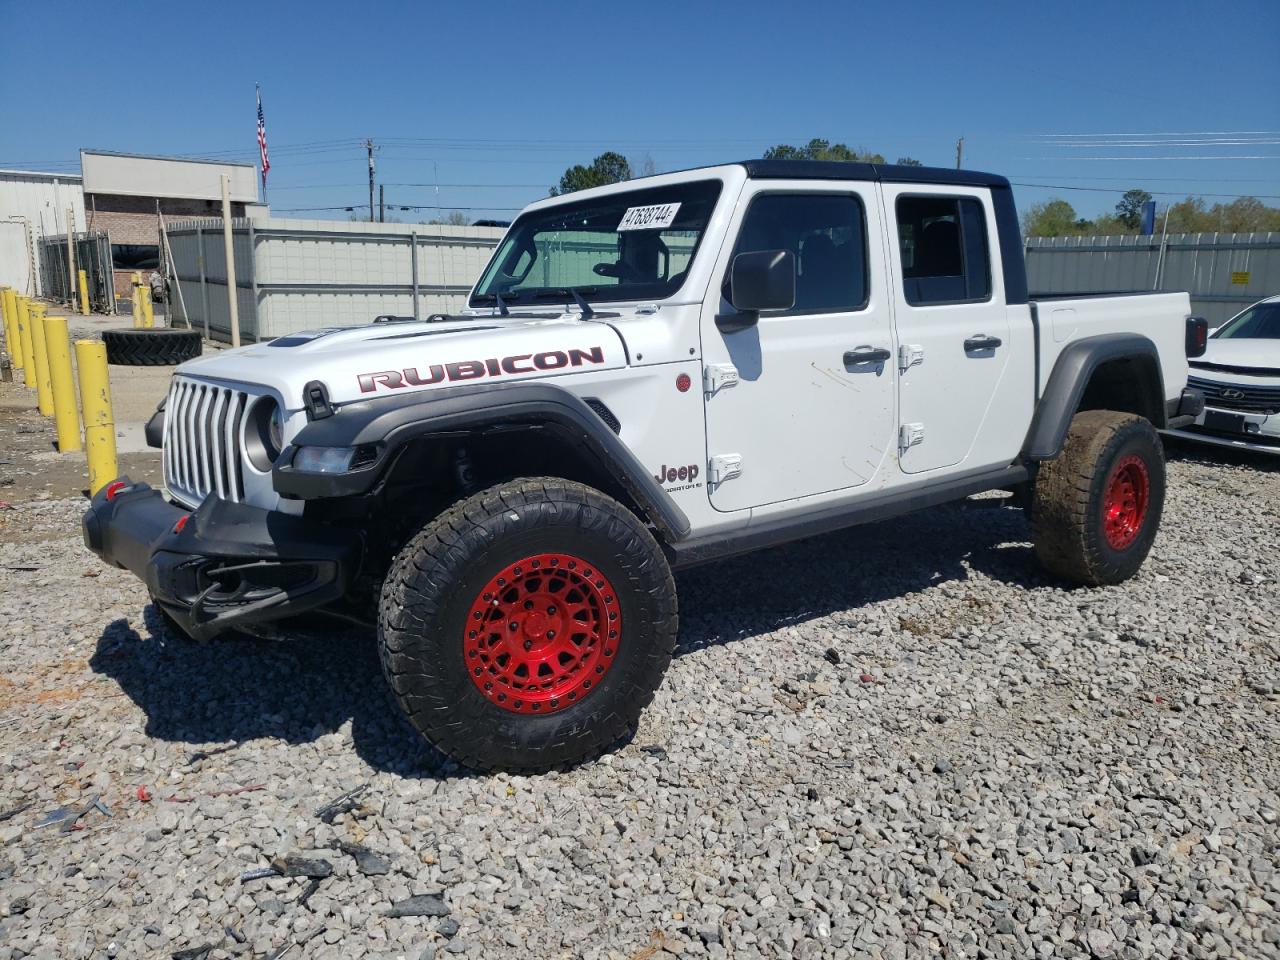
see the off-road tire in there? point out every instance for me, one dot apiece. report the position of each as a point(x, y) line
point(1069, 504)
point(429, 598)
point(151, 348)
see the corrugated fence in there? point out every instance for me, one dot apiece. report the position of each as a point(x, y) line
point(1223, 272)
point(296, 275)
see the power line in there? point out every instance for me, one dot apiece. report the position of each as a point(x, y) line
point(1159, 193)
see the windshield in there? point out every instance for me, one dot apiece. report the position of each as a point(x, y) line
point(636, 245)
point(1259, 322)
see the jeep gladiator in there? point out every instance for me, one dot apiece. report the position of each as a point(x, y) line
point(647, 375)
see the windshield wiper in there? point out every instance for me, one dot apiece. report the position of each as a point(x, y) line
point(570, 293)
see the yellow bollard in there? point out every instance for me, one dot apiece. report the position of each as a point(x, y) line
point(84, 294)
point(95, 402)
point(137, 300)
point(148, 317)
point(40, 351)
point(65, 416)
point(24, 339)
point(10, 328)
point(15, 345)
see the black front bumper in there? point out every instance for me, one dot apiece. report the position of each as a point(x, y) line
point(228, 565)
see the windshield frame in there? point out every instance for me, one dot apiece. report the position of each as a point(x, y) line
point(708, 190)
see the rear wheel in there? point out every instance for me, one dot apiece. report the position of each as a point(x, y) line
point(528, 626)
point(1096, 507)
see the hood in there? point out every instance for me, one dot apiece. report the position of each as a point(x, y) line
point(378, 360)
point(1261, 354)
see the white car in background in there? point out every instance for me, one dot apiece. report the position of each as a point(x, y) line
point(1239, 376)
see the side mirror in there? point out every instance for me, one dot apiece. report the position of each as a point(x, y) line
point(762, 280)
point(1197, 336)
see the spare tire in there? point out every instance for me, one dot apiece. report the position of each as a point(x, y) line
point(151, 348)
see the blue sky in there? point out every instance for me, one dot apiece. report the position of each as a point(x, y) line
point(492, 101)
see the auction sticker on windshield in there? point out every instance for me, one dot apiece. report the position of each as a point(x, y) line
point(656, 217)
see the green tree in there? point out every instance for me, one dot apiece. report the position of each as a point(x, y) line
point(1053, 218)
point(1129, 209)
point(908, 162)
point(818, 149)
point(609, 167)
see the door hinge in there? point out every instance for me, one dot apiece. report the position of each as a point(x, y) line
point(725, 466)
point(909, 354)
point(909, 434)
point(718, 375)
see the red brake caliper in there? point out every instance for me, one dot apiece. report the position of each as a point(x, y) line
point(542, 633)
point(1124, 504)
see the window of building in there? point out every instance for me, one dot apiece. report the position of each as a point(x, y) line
point(827, 236)
point(945, 256)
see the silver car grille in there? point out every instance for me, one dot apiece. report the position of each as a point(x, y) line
point(203, 441)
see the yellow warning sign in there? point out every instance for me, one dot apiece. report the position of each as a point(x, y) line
point(1240, 277)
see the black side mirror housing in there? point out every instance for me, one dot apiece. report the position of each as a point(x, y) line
point(760, 280)
point(1197, 336)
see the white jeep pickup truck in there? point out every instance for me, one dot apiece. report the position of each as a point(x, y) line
point(648, 375)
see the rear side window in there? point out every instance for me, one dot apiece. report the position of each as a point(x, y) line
point(826, 234)
point(945, 255)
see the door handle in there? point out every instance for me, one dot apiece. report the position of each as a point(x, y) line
point(866, 355)
point(981, 342)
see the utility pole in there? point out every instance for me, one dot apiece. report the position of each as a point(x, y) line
point(382, 204)
point(959, 152)
point(368, 144)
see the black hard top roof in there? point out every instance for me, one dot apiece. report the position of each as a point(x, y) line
point(882, 172)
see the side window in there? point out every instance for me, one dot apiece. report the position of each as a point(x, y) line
point(826, 234)
point(945, 257)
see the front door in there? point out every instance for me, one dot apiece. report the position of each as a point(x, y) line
point(802, 403)
point(951, 320)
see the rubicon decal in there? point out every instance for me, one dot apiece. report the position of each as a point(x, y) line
point(478, 369)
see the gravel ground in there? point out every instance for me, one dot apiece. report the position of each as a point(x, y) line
point(897, 741)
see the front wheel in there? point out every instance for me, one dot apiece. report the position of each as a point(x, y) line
point(1096, 507)
point(527, 627)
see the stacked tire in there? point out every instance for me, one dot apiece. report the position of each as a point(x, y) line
point(151, 348)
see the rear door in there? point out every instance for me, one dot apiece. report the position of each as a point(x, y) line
point(802, 402)
point(952, 323)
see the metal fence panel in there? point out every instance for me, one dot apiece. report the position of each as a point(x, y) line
point(1223, 272)
point(294, 275)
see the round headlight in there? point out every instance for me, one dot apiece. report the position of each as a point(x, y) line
point(264, 434)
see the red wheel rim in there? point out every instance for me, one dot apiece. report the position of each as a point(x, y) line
point(542, 633)
point(1124, 505)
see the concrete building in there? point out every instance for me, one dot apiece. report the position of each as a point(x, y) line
point(33, 205)
point(126, 194)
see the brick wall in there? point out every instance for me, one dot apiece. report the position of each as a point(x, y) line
point(133, 219)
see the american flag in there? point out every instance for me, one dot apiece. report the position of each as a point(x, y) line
point(262, 142)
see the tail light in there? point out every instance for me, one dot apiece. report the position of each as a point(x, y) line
point(1197, 336)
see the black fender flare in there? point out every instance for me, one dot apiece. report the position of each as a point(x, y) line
point(385, 424)
point(1065, 388)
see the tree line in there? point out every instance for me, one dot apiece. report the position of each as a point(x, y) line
point(1057, 218)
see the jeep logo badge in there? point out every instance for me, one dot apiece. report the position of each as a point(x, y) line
point(674, 474)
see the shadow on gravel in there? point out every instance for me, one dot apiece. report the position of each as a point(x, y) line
point(761, 592)
point(300, 689)
point(240, 688)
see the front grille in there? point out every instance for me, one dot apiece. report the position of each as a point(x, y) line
point(202, 441)
point(1247, 398)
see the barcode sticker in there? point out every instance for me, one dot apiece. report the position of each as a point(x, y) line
point(656, 217)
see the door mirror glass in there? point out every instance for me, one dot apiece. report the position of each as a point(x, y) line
point(763, 280)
